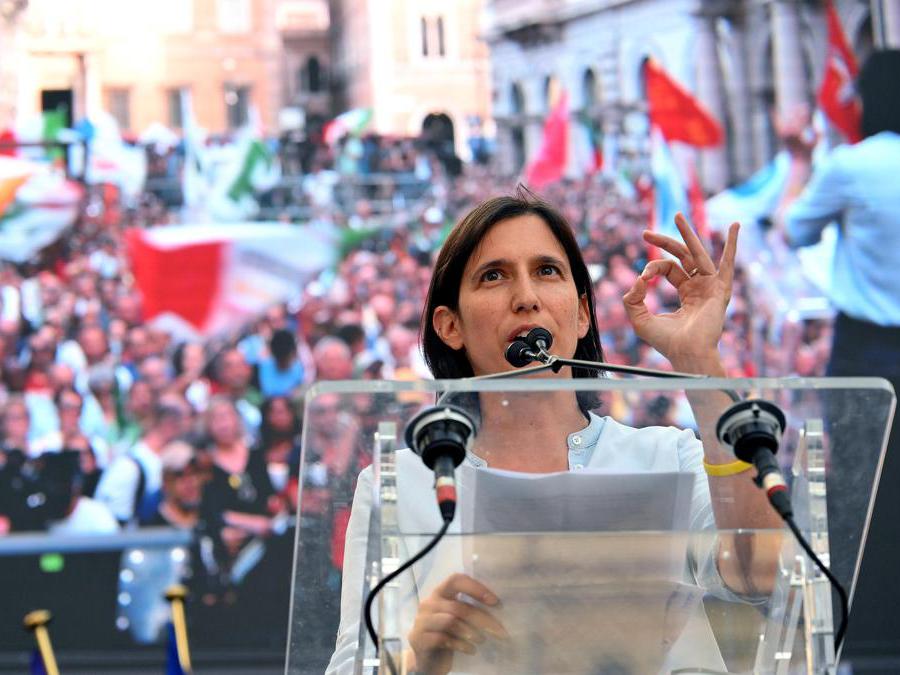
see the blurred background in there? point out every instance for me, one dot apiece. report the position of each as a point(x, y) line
point(208, 205)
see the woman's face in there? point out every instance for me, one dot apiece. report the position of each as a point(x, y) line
point(223, 423)
point(517, 278)
point(280, 417)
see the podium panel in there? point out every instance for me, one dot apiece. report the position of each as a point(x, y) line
point(630, 559)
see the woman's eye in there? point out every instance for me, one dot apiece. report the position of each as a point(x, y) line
point(548, 270)
point(491, 275)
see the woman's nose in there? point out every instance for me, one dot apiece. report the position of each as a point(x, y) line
point(525, 297)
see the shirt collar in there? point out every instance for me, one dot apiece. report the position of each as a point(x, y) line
point(581, 444)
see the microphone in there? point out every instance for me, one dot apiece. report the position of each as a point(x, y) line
point(752, 429)
point(533, 347)
point(441, 435)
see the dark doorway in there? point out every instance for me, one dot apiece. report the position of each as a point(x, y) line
point(437, 129)
point(438, 136)
point(55, 99)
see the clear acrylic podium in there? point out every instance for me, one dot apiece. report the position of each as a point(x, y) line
point(584, 587)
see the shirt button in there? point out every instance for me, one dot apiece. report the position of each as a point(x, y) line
point(579, 466)
point(576, 440)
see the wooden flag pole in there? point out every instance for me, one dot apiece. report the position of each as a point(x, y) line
point(176, 595)
point(36, 622)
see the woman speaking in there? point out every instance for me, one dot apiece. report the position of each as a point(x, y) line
point(510, 265)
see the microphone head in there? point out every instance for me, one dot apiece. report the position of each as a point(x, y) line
point(538, 335)
point(518, 353)
point(750, 425)
point(441, 431)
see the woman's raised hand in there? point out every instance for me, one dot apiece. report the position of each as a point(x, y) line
point(446, 624)
point(689, 336)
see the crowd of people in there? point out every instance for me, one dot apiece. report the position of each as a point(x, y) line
point(107, 422)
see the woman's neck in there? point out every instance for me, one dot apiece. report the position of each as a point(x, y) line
point(232, 457)
point(528, 432)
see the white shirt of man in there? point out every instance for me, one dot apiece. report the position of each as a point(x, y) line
point(119, 483)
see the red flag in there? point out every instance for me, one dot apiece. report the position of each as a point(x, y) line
point(679, 116)
point(549, 164)
point(836, 96)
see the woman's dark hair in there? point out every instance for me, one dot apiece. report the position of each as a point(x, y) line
point(283, 346)
point(447, 363)
point(267, 434)
point(877, 86)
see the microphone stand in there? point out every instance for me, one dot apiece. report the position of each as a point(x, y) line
point(556, 363)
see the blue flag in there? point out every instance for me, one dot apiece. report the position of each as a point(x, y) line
point(36, 665)
point(173, 665)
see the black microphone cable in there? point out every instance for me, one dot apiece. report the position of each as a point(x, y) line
point(440, 435)
point(752, 429)
point(389, 578)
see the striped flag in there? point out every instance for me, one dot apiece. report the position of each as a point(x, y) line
point(210, 279)
point(836, 96)
point(37, 204)
point(352, 122)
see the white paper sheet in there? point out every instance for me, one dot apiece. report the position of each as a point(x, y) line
point(580, 591)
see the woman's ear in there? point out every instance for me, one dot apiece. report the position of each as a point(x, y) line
point(584, 316)
point(446, 324)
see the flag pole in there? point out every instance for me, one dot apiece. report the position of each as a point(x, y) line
point(175, 595)
point(36, 622)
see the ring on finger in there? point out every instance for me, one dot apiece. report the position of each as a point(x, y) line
point(693, 272)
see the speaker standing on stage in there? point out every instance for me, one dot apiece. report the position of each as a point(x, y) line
point(510, 265)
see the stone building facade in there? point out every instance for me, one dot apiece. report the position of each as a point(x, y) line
point(743, 59)
point(139, 60)
point(412, 62)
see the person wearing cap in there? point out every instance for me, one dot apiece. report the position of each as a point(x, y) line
point(182, 485)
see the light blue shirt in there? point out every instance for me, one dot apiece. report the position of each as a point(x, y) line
point(603, 444)
point(859, 187)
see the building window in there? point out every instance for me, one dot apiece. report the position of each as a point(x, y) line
point(313, 79)
point(424, 36)
point(118, 102)
point(440, 36)
point(237, 105)
point(176, 98)
point(234, 16)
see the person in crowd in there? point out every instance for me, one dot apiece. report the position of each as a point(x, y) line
point(138, 414)
point(42, 350)
point(279, 440)
point(131, 487)
point(513, 263)
point(155, 371)
point(137, 348)
point(333, 359)
point(182, 487)
point(16, 424)
point(189, 363)
point(239, 503)
point(281, 373)
point(234, 378)
point(69, 510)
